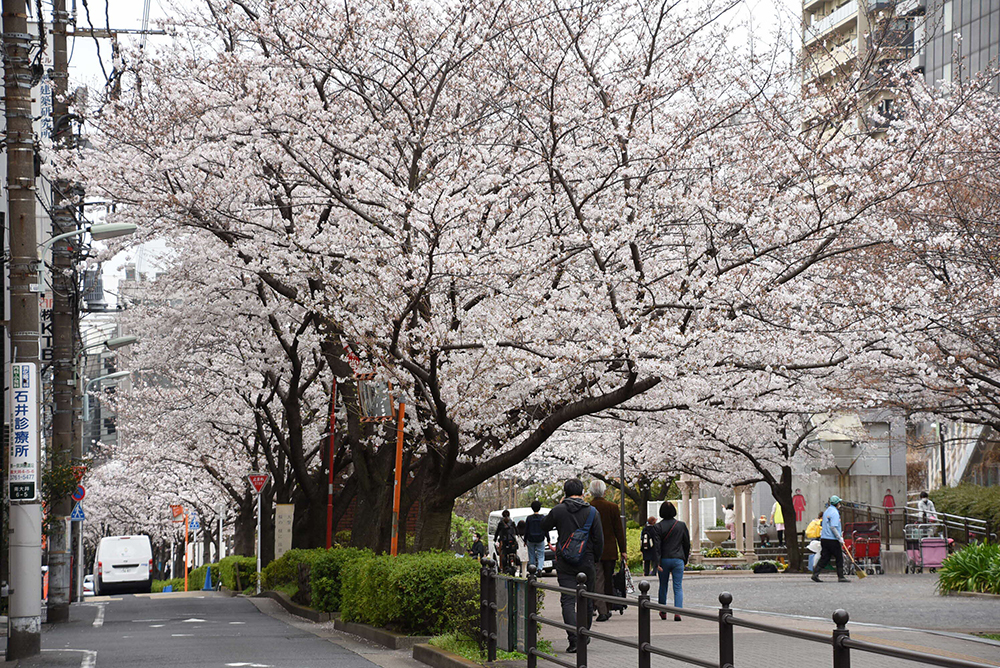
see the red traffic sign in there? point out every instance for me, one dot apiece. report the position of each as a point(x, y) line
point(79, 493)
point(258, 480)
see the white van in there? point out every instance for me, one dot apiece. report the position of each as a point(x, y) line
point(123, 564)
point(516, 515)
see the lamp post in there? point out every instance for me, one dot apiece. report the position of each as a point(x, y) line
point(86, 393)
point(98, 232)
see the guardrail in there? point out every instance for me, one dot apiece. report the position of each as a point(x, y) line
point(892, 521)
point(839, 639)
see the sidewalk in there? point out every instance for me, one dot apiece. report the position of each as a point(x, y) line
point(790, 592)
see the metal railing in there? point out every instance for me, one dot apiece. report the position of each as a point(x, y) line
point(840, 638)
point(891, 522)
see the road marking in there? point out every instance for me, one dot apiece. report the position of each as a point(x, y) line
point(181, 635)
point(193, 620)
point(234, 623)
point(248, 665)
point(156, 626)
point(99, 620)
point(89, 656)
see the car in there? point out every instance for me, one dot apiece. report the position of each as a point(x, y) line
point(516, 515)
point(88, 585)
point(123, 564)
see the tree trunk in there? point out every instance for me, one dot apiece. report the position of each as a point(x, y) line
point(434, 524)
point(782, 492)
point(244, 528)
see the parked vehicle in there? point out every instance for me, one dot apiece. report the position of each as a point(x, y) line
point(123, 564)
point(88, 585)
point(516, 515)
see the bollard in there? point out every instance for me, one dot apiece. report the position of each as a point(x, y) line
point(530, 625)
point(581, 620)
point(841, 654)
point(725, 631)
point(645, 636)
point(491, 614)
point(484, 604)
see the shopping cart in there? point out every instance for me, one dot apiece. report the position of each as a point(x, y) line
point(864, 542)
point(926, 547)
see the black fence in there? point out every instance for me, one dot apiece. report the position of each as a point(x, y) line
point(839, 640)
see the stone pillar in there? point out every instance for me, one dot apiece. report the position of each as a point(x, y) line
point(695, 525)
point(751, 523)
point(738, 507)
point(684, 516)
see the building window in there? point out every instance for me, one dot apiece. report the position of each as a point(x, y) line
point(948, 19)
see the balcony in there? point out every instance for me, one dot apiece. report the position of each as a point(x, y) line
point(911, 8)
point(820, 62)
point(821, 27)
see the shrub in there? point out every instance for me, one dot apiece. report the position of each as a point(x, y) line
point(403, 592)
point(343, 537)
point(285, 571)
point(176, 583)
point(461, 603)
point(247, 567)
point(327, 572)
point(462, 532)
point(971, 501)
point(196, 578)
point(975, 568)
point(633, 551)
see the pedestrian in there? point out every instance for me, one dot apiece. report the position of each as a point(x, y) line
point(535, 537)
point(646, 546)
point(928, 513)
point(831, 540)
point(614, 545)
point(566, 518)
point(778, 520)
point(815, 528)
point(478, 550)
point(799, 503)
point(672, 544)
point(729, 519)
point(521, 558)
point(506, 544)
point(765, 540)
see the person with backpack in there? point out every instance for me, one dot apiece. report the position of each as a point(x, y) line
point(672, 545)
point(506, 544)
point(535, 537)
point(646, 546)
point(580, 544)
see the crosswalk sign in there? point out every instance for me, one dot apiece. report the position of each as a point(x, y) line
point(77, 514)
point(194, 524)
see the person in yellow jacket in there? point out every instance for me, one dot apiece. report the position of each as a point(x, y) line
point(778, 520)
point(815, 528)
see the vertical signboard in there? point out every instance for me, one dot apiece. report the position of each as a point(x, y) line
point(23, 455)
point(284, 516)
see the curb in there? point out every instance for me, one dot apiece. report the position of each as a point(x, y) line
point(294, 608)
point(439, 658)
point(383, 637)
point(972, 594)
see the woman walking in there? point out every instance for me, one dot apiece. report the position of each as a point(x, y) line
point(672, 547)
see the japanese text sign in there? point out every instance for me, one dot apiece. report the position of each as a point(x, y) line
point(23, 456)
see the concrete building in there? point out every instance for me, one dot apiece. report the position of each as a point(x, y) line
point(953, 37)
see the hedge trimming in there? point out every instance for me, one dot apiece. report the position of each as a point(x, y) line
point(405, 592)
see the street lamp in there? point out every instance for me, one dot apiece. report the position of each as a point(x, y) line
point(86, 393)
point(99, 232)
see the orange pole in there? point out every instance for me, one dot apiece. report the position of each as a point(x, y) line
point(398, 488)
point(185, 552)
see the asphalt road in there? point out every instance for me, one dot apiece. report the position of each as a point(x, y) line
point(177, 630)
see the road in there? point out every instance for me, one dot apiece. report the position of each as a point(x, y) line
point(201, 629)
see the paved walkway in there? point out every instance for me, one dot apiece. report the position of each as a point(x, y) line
point(901, 611)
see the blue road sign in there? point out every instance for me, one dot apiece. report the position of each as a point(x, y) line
point(194, 524)
point(77, 514)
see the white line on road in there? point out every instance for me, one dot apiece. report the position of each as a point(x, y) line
point(99, 620)
point(181, 635)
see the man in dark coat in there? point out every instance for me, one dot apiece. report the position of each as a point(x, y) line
point(614, 537)
point(567, 517)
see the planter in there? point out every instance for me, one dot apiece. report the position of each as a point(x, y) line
point(717, 536)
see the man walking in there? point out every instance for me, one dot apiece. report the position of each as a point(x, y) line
point(831, 539)
point(611, 523)
point(535, 537)
point(572, 514)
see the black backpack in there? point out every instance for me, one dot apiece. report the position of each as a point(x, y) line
point(533, 529)
point(574, 549)
point(765, 567)
point(646, 540)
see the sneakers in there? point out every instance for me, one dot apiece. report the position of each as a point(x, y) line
point(677, 618)
point(663, 615)
point(815, 577)
point(603, 618)
point(571, 649)
point(842, 580)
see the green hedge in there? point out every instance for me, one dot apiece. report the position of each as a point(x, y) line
point(461, 603)
point(196, 578)
point(247, 567)
point(292, 573)
point(326, 573)
point(405, 592)
point(971, 501)
point(176, 583)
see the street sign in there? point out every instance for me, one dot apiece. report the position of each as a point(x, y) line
point(79, 493)
point(77, 514)
point(258, 480)
point(23, 454)
point(194, 524)
point(177, 513)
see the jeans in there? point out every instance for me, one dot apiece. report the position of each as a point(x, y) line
point(675, 567)
point(568, 601)
point(536, 555)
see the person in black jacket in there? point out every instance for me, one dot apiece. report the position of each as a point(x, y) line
point(566, 518)
point(672, 547)
point(478, 549)
point(649, 562)
point(506, 544)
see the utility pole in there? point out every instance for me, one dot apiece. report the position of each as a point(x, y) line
point(63, 331)
point(24, 636)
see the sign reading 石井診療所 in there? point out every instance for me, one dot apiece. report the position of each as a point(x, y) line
point(23, 481)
